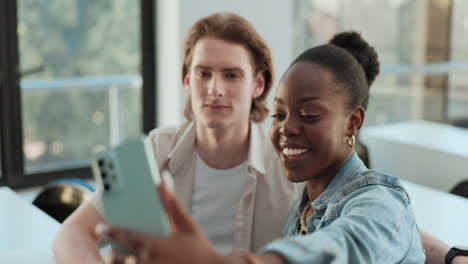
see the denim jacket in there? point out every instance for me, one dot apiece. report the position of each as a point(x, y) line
point(363, 216)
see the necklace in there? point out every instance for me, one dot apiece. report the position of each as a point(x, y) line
point(303, 222)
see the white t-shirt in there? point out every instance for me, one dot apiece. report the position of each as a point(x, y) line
point(216, 194)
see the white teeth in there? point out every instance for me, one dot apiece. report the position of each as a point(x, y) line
point(294, 151)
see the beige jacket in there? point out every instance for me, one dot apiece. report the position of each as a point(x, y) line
point(265, 203)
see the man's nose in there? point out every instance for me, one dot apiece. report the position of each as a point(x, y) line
point(216, 87)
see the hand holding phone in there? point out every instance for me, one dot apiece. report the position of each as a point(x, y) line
point(129, 178)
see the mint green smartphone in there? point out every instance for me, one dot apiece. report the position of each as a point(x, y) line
point(128, 176)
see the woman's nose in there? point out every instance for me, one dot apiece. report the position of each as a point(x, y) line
point(289, 128)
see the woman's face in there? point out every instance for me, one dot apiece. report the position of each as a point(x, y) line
point(311, 123)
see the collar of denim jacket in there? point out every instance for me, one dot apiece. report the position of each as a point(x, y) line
point(347, 173)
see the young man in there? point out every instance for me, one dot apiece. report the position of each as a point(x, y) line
point(223, 165)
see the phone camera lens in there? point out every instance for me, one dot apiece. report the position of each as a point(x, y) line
point(103, 174)
point(101, 162)
point(106, 187)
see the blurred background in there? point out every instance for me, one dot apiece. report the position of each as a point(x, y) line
point(79, 76)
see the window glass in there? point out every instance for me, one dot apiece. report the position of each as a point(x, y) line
point(422, 47)
point(81, 81)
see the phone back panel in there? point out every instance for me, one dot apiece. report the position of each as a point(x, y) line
point(129, 178)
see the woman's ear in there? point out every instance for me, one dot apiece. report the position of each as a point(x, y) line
point(356, 120)
point(187, 84)
point(259, 85)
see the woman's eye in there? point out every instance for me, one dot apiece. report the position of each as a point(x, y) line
point(310, 117)
point(278, 116)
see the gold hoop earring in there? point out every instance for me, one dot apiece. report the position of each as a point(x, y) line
point(351, 140)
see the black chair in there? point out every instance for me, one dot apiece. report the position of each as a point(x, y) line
point(362, 152)
point(461, 189)
point(61, 198)
point(463, 123)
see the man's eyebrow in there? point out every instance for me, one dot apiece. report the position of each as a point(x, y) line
point(228, 69)
point(232, 69)
point(198, 66)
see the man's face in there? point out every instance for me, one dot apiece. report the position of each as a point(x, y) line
point(221, 83)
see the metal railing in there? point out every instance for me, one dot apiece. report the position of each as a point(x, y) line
point(113, 85)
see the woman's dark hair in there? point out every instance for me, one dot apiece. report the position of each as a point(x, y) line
point(353, 62)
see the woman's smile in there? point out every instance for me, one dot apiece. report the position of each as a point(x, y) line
point(292, 154)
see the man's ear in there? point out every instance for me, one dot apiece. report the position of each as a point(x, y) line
point(356, 120)
point(187, 84)
point(259, 86)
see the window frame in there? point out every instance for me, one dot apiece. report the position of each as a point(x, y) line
point(11, 133)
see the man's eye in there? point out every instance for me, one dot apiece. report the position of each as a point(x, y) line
point(203, 74)
point(233, 76)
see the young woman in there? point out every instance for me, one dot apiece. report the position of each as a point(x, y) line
point(347, 213)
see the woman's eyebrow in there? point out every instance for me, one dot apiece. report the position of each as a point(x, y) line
point(278, 100)
point(300, 101)
point(307, 99)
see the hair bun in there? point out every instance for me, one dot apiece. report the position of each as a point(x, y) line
point(361, 50)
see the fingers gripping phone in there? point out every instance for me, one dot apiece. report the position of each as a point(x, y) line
point(129, 178)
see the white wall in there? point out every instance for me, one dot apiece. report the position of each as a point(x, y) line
point(272, 18)
point(168, 61)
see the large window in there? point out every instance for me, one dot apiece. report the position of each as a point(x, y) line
point(82, 94)
point(84, 81)
point(422, 47)
point(458, 93)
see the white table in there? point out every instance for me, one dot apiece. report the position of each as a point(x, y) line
point(26, 232)
point(439, 213)
point(427, 153)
